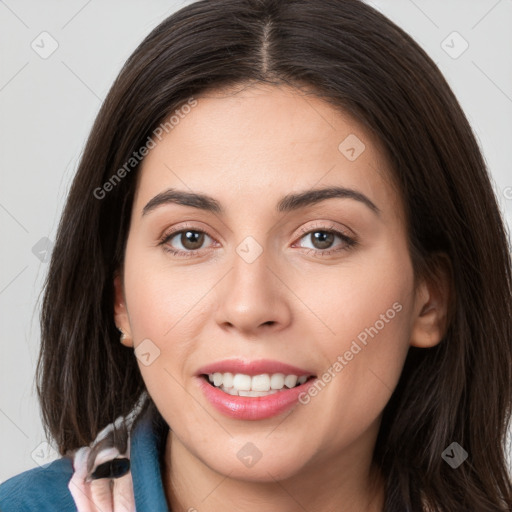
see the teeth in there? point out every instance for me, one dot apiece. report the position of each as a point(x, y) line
point(260, 383)
point(277, 381)
point(290, 381)
point(227, 380)
point(257, 385)
point(242, 382)
point(257, 393)
point(217, 379)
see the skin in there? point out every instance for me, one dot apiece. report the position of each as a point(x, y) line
point(248, 150)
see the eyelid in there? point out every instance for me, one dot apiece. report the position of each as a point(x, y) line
point(184, 227)
point(321, 225)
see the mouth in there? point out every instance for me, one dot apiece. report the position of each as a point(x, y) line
point(254, 395)
point(261, 385)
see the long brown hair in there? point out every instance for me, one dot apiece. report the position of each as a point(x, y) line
point(360, 62)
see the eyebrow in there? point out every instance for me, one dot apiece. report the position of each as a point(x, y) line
point(288, 203)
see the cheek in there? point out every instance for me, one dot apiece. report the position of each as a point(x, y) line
point(367, 296)
point(167, 308)
point(366, 311)
point(161, 299)
point(377, 315)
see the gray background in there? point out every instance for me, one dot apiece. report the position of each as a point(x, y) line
point(47, 106)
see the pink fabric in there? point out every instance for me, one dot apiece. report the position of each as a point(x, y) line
point(103, 494)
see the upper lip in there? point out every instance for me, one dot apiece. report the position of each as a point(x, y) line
point(252, 368)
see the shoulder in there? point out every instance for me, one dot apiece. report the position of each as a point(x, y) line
point(40, 489)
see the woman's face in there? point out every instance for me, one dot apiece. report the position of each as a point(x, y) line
point(325, 286)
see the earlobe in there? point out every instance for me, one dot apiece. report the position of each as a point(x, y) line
point(433, 304)
point(121, 318)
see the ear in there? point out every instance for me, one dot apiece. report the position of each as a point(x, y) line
point(433, 304)
point(121, 317)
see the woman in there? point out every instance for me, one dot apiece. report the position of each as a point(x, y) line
point(282, 271)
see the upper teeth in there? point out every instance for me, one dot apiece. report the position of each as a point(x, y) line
point(262, 382)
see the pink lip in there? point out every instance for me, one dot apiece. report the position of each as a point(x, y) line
point(252, 368)
point(252, 408)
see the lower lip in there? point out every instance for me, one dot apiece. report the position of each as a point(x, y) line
point(252, 408)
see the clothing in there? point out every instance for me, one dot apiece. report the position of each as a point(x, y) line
point(48, 488)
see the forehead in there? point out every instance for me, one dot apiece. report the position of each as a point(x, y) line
point(265, 141)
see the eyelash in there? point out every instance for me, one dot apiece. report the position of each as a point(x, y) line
point(348, 241)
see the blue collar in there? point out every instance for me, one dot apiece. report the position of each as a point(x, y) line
point(45, 488)
point(147, 447)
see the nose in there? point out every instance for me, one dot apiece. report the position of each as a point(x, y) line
point(253, 297)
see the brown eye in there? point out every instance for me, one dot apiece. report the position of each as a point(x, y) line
point(191, 240)
point(322, 239)
point(186, 242)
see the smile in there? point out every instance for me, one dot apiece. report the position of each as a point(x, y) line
point(249, 404)
point(264, 384)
